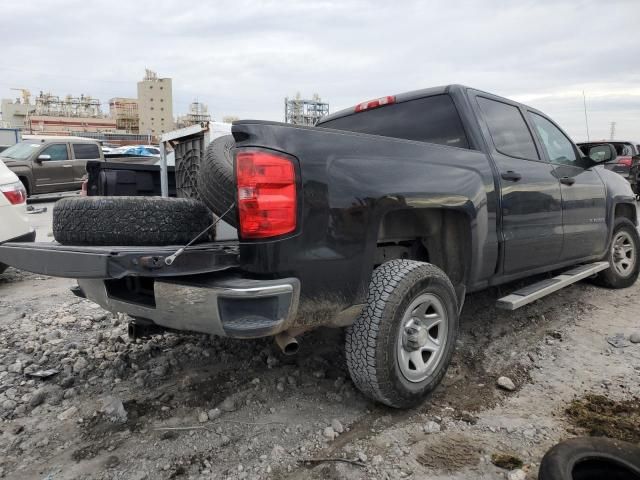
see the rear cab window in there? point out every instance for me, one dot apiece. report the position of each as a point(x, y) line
point(432, 119)
point(509, 131)
point(86, 151)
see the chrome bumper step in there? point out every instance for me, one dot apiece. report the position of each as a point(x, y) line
point(528, 294)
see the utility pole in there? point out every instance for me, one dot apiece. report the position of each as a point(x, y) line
point(612, 132)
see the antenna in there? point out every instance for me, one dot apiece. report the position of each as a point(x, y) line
point(586, 120)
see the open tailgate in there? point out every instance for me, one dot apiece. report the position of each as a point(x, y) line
point(116, 262)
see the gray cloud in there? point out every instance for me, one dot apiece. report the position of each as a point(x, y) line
point(242, 57)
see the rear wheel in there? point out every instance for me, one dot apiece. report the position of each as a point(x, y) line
point(399, 348)
point(622, 256)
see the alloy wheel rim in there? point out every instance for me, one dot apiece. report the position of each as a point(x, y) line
point(422, 337)
point(623, 254)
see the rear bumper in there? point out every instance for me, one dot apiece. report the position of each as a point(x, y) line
point(229, 306)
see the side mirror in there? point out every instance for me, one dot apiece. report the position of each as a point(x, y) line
point(42, 158)
point(602, 153)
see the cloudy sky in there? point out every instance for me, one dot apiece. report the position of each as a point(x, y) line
point(243, 57)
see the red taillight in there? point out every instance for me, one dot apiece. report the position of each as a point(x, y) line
point(378, 102)
point(14, 192)
point(266, 185)
point(626, 161)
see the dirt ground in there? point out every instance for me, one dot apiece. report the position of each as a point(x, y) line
point(194, 406)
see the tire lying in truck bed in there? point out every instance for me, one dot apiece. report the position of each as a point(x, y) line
point(129, 220)
point(216, 184)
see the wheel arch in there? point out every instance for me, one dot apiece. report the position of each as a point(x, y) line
point(626, 210)
point(440, 236)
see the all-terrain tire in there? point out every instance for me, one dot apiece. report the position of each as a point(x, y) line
point(591, 459)
point(129, 220)
point(611, 277)
point(216, 184)
point(372, 341)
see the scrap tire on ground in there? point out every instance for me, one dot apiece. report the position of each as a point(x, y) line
point(129, 220)
point(591, 458)
point(625, 230)
point(216, 184)
point(393, 317)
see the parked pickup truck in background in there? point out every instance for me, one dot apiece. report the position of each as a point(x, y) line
point(56, 163)
point(379, 219)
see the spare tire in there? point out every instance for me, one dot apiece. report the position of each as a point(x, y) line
point(592, 458)
point(129, 220)
point(216, 184)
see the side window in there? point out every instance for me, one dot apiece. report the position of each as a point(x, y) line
point(509, 132)
point(56, 152)
point(559, 148)
point(86, 151)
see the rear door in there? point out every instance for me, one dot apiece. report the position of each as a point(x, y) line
point(56, 173)
point(531, 204)
point(583, 192)
point(82, 153)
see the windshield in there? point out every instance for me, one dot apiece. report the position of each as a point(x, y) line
point(20, 151)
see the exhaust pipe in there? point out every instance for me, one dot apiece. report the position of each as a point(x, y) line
point(288, 344)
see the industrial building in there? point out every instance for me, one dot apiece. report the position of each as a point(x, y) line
point(198, 113)
point(125, 112)
point(15, 112)
point(155, 104)
point(304, 112)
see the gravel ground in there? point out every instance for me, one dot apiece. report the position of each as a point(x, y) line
point(196, 406)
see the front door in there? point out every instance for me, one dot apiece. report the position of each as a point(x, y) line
point(583, 193)
point(56, 173)
point(530, 193)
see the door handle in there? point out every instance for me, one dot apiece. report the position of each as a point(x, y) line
point(67, 166)
point(511, 175)
point(568, 180)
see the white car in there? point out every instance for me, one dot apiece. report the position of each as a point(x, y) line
point(14, 225)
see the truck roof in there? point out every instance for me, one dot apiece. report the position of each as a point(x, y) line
point(414, 94)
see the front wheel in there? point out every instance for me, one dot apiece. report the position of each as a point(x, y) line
point(399, 349)
point(622, 256)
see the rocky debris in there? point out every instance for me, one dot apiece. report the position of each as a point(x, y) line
point(329, 433)
point(112, 462)
point(203, 417)
point(517, 475)
point(80, 366)
point(337, 426)
point(37, 397)
point(277, 452)
point(214, 414)
point(228, 404)
point(431, 427)
point(634, 337)
point(15, 367)
point(506, 384)
point(113, 409)
point(68, 414)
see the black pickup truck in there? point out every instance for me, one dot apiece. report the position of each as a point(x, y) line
point(381, 219)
